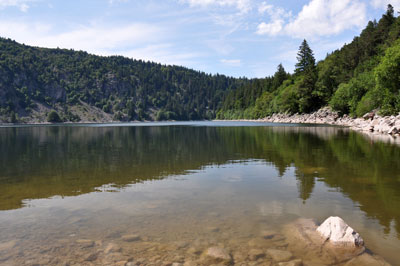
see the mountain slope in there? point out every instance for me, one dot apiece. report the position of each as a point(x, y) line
point(84, 87)
point(360, 77)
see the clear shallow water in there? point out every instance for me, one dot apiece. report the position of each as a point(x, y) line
point(183, 187)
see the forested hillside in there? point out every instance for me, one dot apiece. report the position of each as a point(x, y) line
point(39, 85)
point(362, 76)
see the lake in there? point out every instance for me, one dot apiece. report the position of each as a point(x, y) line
point(159, 193)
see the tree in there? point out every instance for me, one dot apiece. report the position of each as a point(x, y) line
point(13, 117)
point(279, 77)
point(388, 80)
point(308, 100)
point(53, 117)
point(305, 58)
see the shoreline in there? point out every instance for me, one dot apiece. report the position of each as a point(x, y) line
point(371, 123)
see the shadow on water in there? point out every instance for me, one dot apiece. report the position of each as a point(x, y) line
point(41, 162)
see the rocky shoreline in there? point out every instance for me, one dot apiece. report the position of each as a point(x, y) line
point(371, 122)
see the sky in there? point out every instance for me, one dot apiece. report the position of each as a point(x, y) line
point(240, 38)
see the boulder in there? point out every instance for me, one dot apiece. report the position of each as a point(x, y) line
point(337, 232)
point(370, 115)
point(306, 242)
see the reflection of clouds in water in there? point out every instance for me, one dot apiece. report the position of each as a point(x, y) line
point(272, 208)
point(232, 178)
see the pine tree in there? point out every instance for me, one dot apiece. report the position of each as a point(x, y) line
point(306, 67)
point(305, 58)
point(279, 77)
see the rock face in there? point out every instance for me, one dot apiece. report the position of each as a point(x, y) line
point(336, 231)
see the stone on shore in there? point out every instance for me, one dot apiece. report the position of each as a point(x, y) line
point(337, 232)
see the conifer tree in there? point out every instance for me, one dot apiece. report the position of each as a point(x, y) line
point(305, 58)
point(279, 77)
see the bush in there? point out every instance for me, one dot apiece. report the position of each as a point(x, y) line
point(53, 117)
point(388, 80)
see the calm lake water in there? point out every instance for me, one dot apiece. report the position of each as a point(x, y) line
point(74, 195)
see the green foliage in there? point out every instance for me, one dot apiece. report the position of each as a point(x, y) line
point(305, 58)
point(387, 76)
point(363, 75)
point(135, 88)
point(348, 95)
point(53, 117)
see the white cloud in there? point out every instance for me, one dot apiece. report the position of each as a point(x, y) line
point(317, 18)
point(272, 29)
point(277, 19)
point(139, 41)
point(21, 4)
point(93, 38)
point(231, 62)
point(243, 6)
point(382, 4)
point(163, 53)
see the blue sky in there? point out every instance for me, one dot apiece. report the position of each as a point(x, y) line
point(233, 37)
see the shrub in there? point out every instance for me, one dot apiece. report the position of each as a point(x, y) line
point(53, 117)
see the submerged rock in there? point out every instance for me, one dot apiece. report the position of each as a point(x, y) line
point(279, 255)
point(255, 254)
point(297, 262)
point(367, 260)
point(219, 254)
point(112, 248)
point(131, 238)
point(8, 245)
point(337, 232)
point(85, 243)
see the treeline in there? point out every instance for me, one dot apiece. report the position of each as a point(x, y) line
point(38, 79)
point(360, 77)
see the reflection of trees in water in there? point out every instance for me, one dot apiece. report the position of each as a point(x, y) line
point(39, 162)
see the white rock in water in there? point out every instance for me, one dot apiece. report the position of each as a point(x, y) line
point(335, 230)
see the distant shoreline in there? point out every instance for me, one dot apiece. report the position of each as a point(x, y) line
point(370, 123)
